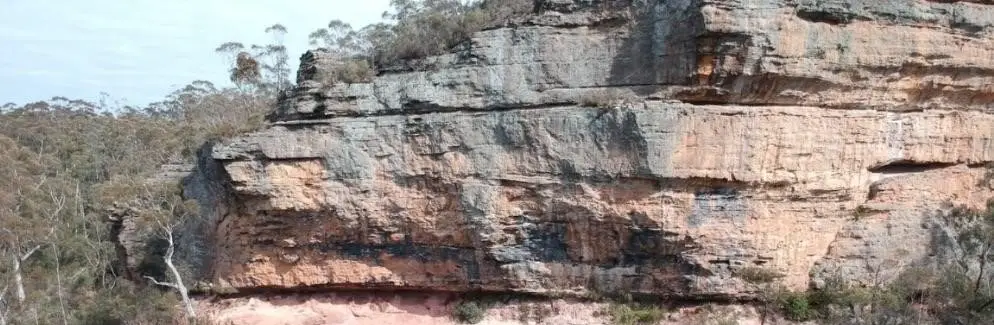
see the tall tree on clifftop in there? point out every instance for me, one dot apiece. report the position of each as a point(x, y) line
point(278, 63)
point(264, 66)
point(244, 69)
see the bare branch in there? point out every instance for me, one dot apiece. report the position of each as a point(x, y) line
point(230, 47)
point(77, 274)
point(29, 253)
point(164, 284)
point(60, 203)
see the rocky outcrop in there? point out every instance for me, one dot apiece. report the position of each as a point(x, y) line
point(652, 148)
point(138, 239)
point(900, 55)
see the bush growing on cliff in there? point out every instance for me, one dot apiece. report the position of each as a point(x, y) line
point(757, 275)
point(418, 29)
point(633, 313)
point(715, 315)
point(952, 287)
point(796, 306)
point(469, 312)
point(352, 71)
point(431, 27)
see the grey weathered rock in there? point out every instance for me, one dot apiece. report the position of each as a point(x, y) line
point(883, 55)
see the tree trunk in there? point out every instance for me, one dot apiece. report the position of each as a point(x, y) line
point(983, 265)
point(183, 292)
point(3, 307)
point(177, 279)
point(58, 282)
point(18, 280)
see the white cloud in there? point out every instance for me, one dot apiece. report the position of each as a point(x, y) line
point(143, 49)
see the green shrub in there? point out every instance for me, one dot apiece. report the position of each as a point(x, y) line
point(796, 306)
point(634, 313)
point(469, 312)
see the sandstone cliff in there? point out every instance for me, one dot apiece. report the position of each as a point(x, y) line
point(649, 147)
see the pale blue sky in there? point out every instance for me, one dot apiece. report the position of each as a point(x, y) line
point(140, 50)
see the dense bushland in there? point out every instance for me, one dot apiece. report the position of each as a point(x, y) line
point(63, 164)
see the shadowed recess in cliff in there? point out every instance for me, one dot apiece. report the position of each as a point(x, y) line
point(825, 12)
point(652, 246)
point(585, 236)
point(660, 47)
point(899, 12)
point(465, 258)
point(904, 166)
point(538, 241)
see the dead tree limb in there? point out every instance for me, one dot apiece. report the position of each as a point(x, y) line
point(177, 281)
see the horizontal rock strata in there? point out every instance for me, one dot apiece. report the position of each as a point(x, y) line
point(656, 148)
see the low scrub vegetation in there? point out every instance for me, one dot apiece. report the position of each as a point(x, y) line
point(414, 30)
point(535, 311)
point(633, 313)
point(715, 315)
point(469, 312)
point(954, 287)
point(757, 275)
point(352, 71)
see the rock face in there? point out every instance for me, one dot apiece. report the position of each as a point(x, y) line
point(413, 308)
point(615, 146)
